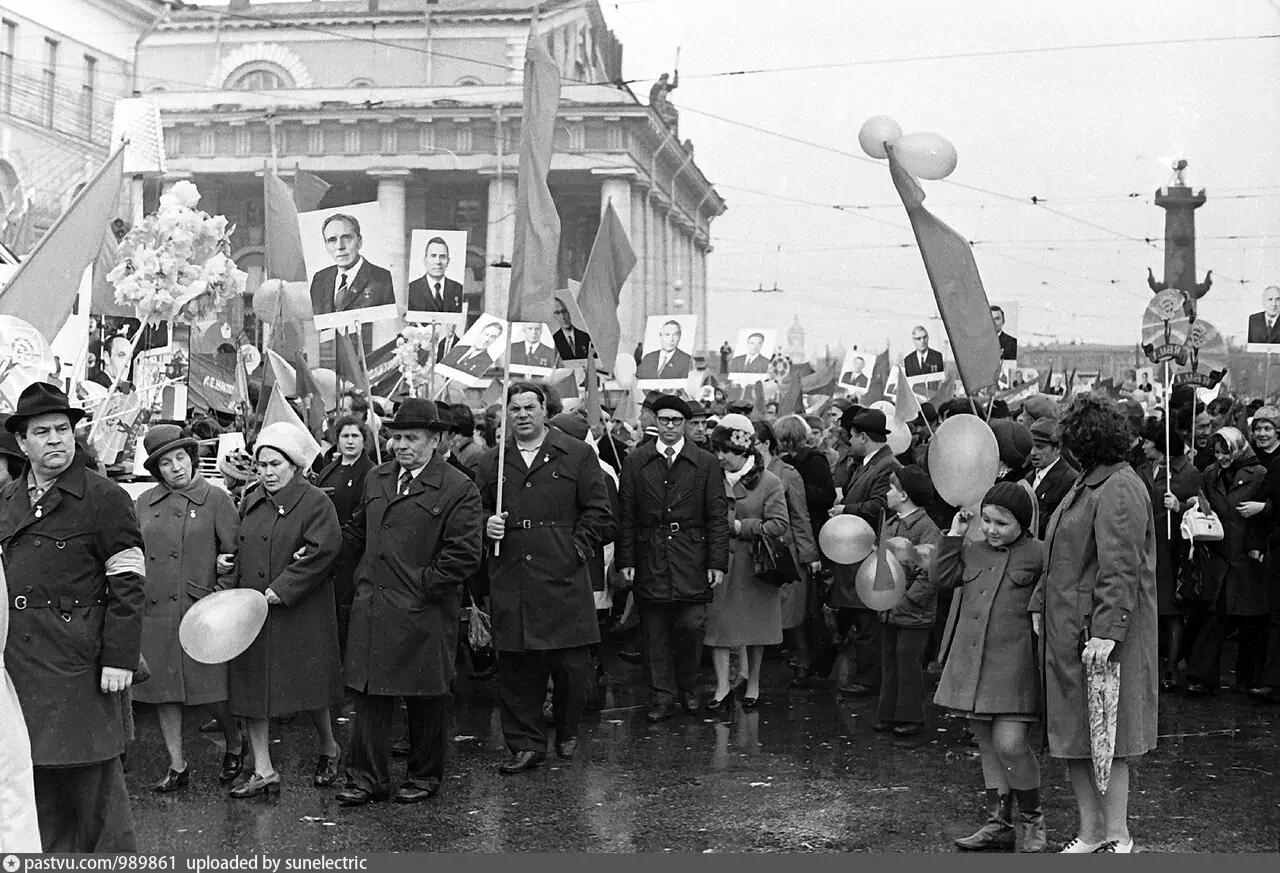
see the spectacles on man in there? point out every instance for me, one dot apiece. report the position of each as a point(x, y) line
point(671, 420)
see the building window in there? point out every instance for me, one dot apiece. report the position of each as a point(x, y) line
point(50, 78)
point(7, 51)
point(468, 80)
point(260, 76)
point(360, 83)
point(86, 95)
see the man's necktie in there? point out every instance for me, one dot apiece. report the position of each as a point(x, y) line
point(403, 488)
point(670, 452)
point(662, 363)
point(439, 299)
point(343, 297)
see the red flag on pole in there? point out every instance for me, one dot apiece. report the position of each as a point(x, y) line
point(349, 364)
point(957, 287)
point(610, 263)
point(43, 291)
point(536, 252)
point(284, 241)
point(907, 408)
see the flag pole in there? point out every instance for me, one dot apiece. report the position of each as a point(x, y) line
point(591, 353)
point(364, 365)
point(1168, 462)
point(502, 441)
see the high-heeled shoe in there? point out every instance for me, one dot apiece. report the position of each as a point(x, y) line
point(256, 785)
point(721, 704)
point(326, 770)
point(173, 781)
point(232, 766)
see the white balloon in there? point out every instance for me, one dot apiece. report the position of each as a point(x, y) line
point(899, 436)
point(884, 406)
point(875, 132)
point(926, 155)
point(624, 371)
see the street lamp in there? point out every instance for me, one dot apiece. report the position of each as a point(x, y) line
point(678, 302)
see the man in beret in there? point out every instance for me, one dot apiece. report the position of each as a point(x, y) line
point(1036, 407)
point(673, 547)
point(1051, 477)
point(865, 494)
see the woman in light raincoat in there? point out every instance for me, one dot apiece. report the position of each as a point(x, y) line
point(18, 829)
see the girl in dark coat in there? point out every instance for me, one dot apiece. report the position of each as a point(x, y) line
point(991, 674)
point(289, 543)
point(343, 480)
point(1174, 486)
point(1234, 584)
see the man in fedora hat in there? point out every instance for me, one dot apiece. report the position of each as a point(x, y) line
point(73, 555)
point(419, 530)
point(554, 519)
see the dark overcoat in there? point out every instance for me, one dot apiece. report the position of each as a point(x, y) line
point(919, 604)
point(864, 496)
point(675, 523)
point(992, 668)
point(559, 518)
point(1171, 551)
point(55, 653)
point(415, 551)
point(1228, 562)
point(293, 664)
point(183, 533)
point(1052, 488)
point(1100, 579)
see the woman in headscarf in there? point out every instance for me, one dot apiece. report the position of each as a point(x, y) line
point(1095, 604)
point(745, 611)
point(187, 524)
point(1235, 587)
point(293, 664)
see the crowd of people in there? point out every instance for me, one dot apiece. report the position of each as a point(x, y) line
point(694, 530)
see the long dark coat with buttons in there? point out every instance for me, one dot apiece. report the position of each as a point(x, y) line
point(1229, 565)
point(1100, 578)
point(56, 663)
point(540, 593)
point(415, 551)
point(671, 564)
point(293, 665)
point(992, 668)
point(183, 533)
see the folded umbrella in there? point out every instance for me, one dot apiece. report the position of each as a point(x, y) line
point(1102, 694)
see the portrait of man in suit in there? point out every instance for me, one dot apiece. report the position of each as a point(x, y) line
point(668, 361)
point(856, 376)
point(753, 360)
point(572, 343)
point(1008, 344)
point(476, 359)
point(1264, 326)
point(351, 282)
point(531, 352)
point(923, 360)
point(434, 291)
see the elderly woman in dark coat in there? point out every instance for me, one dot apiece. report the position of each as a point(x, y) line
point(1235, 586)
point(289, 544)
point(186, 525)
point(1097, 602)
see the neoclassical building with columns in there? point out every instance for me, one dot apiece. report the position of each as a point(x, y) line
point(417, 106)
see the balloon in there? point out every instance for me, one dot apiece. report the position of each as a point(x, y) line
point(899, 436)
point(847, 539)
point(876, 131)
point(963, 459)
point(889, 590)
point(290, 300)
point(926, 155)
point(624, 371)
point(221, 625)
point(884, 406)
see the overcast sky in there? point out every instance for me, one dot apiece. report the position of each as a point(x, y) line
point(1081, 130)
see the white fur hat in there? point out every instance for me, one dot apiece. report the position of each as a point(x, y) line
point(289, 440)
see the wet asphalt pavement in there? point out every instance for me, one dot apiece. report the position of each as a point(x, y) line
point(803, 772)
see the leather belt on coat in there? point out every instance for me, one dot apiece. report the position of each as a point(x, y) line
point(667, 530)
point(530, 524)
point(62, 604)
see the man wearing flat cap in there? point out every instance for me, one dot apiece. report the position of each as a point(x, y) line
point(1051, 476)
point(553, 520)
point(418, 528)
point(673, 548)
point(73, 557)
point(865, 495)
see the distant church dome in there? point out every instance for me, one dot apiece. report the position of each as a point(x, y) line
point(795, 341)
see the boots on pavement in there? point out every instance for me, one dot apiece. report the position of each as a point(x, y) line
point(1030, 825)
point(997, 834)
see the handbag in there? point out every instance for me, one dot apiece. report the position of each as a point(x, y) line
point(774, 563)
point(1203, 526)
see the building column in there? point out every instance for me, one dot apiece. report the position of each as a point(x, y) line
point(659, 281)
point(618, 192)
point(640, 243)
point(499, 243)
point(391, 203)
